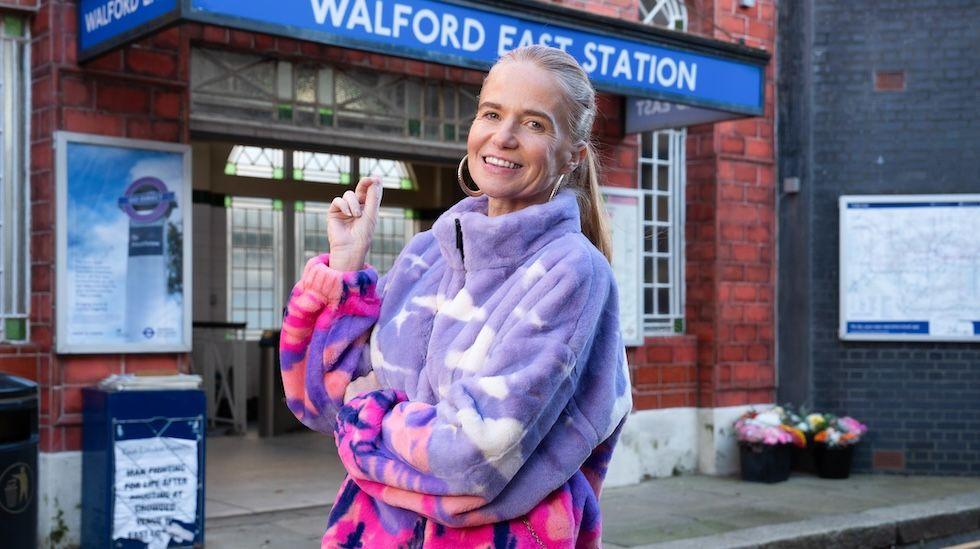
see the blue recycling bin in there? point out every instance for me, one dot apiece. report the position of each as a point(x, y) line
point(143, 468)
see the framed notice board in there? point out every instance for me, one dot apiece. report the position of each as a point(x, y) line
point(123, 241)
point(910, 267)
point(625, 210)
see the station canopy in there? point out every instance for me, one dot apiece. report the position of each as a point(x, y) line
point(670, 79)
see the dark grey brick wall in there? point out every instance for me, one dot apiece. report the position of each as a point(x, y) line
point(842, 137)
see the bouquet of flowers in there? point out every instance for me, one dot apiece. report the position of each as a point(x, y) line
point(768, 427)
point(797, 419)
point(838, 432)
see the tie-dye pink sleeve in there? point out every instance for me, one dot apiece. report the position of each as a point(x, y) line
point(324, 334)
point(512, 427)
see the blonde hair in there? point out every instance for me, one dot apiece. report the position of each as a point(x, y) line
point(580, 108)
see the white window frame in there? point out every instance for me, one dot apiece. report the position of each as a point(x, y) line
point(397, 223)
point(253, 332)
point(411, 227)
point(275, 158)
point(15, 199)
point(654, 322)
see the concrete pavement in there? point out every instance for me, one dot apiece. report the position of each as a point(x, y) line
point(864, 511)
point(275, 493)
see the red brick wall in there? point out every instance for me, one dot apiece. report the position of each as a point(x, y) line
point(664, 372)
point(141, 91)
point(726, 358)
point(620, 9)
point(617, 151)
point(730, 229)
point(29, 5)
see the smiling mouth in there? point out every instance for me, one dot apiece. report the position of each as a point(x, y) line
point(500, 162)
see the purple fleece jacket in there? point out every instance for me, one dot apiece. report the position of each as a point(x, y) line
point(498, 345)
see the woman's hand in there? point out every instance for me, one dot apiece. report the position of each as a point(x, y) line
point(351, 220)
point(361, 385)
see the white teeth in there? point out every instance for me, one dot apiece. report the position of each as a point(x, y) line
point(500, 162)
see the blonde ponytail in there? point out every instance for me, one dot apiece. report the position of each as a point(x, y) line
point(580, 106)
point(595, 225)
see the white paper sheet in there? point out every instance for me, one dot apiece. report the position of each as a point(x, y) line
point(155, 485)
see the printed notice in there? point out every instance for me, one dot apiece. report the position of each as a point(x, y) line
point(155, 490)
point(121, 270)
point(626, 220)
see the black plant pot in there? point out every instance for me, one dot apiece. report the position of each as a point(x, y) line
point(803, 457)
point(833, 462)
point(765, 463)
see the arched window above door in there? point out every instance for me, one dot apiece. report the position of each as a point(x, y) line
point(317, 167)
point(667, 14)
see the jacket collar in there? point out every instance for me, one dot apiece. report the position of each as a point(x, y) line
point(504, 240)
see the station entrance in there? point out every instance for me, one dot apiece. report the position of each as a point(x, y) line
point(273, 143)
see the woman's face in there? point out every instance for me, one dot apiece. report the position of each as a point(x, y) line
point(517, 146)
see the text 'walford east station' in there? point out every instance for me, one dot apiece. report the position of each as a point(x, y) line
point(431, 26)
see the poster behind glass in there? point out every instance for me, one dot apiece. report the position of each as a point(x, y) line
point(626, 224)
point(123, 262)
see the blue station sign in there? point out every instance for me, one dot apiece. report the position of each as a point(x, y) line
point(620, 57)
point(104, 24)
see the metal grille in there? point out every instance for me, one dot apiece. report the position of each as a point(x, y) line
point(14, 191)
point(254, 263)
point(396, 226)
point(249, 87)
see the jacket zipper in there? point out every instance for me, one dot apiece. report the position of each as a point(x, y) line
point(459, 238)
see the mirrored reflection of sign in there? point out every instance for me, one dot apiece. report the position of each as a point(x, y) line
point(626, 218)
point(123, 265)
point(645, 115)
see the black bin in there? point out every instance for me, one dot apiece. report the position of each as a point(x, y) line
point(18, 462)
point(274, 416)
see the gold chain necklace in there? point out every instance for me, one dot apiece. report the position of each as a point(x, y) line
point(534, 534)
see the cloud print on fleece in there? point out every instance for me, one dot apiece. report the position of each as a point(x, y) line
point(504, 375)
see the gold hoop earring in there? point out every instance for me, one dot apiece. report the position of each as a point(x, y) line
point(561, 179)
point(462, 183)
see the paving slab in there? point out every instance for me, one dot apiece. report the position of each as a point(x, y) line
point(291, 529)
point(276, 493)
point(249, 474)
point(810, 515)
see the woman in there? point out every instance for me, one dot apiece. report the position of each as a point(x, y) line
point(476, 391)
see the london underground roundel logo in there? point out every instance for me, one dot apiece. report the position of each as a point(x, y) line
point(147, 200)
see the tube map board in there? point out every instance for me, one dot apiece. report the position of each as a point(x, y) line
point(123, 263)
point(910, 267)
